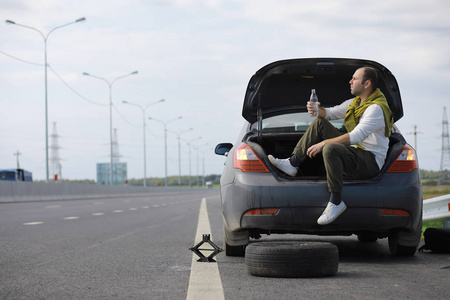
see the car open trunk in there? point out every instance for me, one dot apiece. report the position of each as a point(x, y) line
point(284, 87)
point(281, 146)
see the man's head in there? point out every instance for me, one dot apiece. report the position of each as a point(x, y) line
point(364, 82)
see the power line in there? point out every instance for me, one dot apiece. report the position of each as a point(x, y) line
point(73, 90)
point(57, 75)
point(22, 60)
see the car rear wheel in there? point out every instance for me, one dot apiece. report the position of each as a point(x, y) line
point(233, 250)
point(292, 259)
point(234, 242)
point(405, 243)
point(398, 250)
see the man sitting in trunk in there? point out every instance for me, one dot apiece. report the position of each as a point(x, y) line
point(359, 153)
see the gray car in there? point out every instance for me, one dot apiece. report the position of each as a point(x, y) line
point(259, 199)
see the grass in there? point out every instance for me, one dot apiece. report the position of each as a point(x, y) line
point(435, 191)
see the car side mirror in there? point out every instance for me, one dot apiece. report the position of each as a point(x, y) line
point(223, 149)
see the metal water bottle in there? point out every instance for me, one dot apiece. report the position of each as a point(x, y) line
point(314, 99)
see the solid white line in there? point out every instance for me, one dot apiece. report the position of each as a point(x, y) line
point(204, 282)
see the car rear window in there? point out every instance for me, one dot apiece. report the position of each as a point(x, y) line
point(295, 122)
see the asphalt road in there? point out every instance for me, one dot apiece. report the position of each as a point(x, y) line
point(138, 248)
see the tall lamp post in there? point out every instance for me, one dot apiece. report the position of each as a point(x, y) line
point(198, 164)
point(179, 151)
point(110, 84)
point(45, 37)
point(165, 144)
point(190, 170)
point(143, 126)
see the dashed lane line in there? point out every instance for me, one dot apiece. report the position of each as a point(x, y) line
point(114, 211)
point(33, 223)
point(204, 282)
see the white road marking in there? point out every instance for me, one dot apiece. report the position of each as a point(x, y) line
point(155, 205)
point(52, 206)
point(133, 208)
point(144, 206)
point(98, 214)
point(204, 282)
point(71, 218)
point(118, 211)
point(33, 223)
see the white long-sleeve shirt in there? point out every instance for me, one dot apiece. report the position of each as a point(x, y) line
point(369, 133)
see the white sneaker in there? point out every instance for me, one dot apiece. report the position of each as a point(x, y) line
point(284, 165)
point(331, 212)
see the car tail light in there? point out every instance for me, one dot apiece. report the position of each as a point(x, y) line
point(246, 160)
point(262, 211)
point(393, 212)
point(406, 162)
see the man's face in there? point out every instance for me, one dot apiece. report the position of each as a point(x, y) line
point(356, 83)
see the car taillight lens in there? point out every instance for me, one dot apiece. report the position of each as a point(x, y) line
point(406, 162)
point(393, 212)
point(246, 160)
point(262, 212)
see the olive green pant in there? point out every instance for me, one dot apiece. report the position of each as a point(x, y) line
point(339, 160)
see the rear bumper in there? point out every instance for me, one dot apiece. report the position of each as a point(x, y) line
point(301, 202)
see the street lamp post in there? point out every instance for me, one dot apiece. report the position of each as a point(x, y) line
point(165, 144)
point(198, 164)
point(190, 170)
point(179, 152)
point(143, 126)
point(110, 84)
point(45, 37)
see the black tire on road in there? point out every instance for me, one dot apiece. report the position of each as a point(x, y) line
point(233, 250)
point(396, 238)
point(293, 259)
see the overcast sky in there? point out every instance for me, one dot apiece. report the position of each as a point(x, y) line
point(198, 55)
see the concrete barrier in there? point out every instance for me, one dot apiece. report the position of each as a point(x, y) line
point(17, 191)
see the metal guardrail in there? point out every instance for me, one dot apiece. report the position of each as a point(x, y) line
point(437, 209)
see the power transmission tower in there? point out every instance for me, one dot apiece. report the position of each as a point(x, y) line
point(55, 160)
point(445, 150)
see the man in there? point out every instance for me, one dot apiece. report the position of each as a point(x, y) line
point(359, 153)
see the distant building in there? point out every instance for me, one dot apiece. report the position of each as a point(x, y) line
point(119, 176)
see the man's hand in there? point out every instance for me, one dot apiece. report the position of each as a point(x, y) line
point(315, 149)
point(310, 107)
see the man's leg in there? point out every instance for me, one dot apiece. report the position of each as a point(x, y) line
point(319, 130)
point(343, 160)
